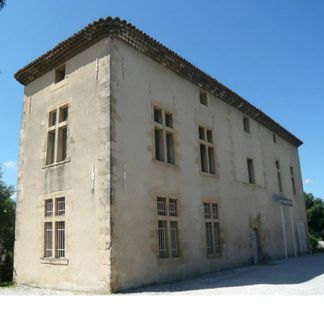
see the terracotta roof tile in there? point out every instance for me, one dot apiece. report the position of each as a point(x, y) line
point(134, 37)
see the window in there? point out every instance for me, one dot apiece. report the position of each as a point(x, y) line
point(274, 138)
point(168, 227)
point(246, 124)
point(203, 99)
point(54, 239)
point(212, 228)
point(207, 157)
point(60, 74)
point(279, 176)
point(293, 183)
point(164, 136)
point(251, 173)
point(57, 135)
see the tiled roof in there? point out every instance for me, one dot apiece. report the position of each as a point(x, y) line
point(126, 32)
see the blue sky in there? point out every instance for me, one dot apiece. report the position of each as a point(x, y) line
point(270, 52)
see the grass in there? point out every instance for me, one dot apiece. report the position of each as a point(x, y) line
point(6, 284)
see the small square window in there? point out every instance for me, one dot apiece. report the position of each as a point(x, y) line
point(274, 138)
point(207, 210)
point(158, 115)
point(60, 206)
point(203, 98)
point(246, 124)
point(215, 211)
point(60, 74)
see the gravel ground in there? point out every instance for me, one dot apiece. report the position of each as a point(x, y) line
point(298, 276)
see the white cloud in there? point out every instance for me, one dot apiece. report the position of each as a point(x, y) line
point(308, 181)
point(10, 164)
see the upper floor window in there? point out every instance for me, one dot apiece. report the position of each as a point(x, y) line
point(279, 176)
point(274, 137)
point(60, 74)
point(203, 98)
point(251, 173)
point(246, 124)
point(164, 136)
point(293, 183)
point(207, 156)
point(57, 135)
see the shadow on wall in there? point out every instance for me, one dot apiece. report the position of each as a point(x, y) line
point(294, 271)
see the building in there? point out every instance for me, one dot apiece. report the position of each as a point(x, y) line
point(136, 167)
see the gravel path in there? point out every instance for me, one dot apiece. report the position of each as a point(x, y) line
point(298, 276)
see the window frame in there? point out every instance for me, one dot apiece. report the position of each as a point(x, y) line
point(57, 136)
point(57, 245)
point(165, 230)
point(251, 171)
point(207, 150)
point(246, 125)
point(164, 136)
point(213, 242)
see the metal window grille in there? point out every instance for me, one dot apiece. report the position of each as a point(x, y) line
point(48, 208)
point(217, 238)
point(209, 238)
point(207, 210)
point(173, 207)
point(174, 236)
point(163, 239)
point(215, 211)
point(60, 239)
point(48, 239)
point(60, 206)
point(161, 205)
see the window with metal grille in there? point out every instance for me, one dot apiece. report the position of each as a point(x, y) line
point(60, 206)
point(212, 229)
point(54, 228)
point(57, 135)
point(168, 227)
point(207, 157)
point(48, 239)
point(48, 208)
point(163, 136)
point(60, 239)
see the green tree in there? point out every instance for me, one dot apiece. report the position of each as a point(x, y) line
point(7, 230)
point(315, 217)
point(2, 4)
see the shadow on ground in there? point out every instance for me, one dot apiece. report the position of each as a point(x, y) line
point(294, 271)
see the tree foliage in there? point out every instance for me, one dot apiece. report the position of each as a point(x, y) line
point(7, 230)
point(2, 4)
point(315, 216)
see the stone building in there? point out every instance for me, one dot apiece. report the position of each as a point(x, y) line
point(136, 167)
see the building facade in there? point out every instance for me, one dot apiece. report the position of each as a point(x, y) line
point(136, 167)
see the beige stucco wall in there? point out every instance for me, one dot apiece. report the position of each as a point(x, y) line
point(86, 89)
point(111, 231)
point(137, 84)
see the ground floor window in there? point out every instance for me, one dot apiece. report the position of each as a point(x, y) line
point(54, 228)
point(212, 228)
point(168, 227)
